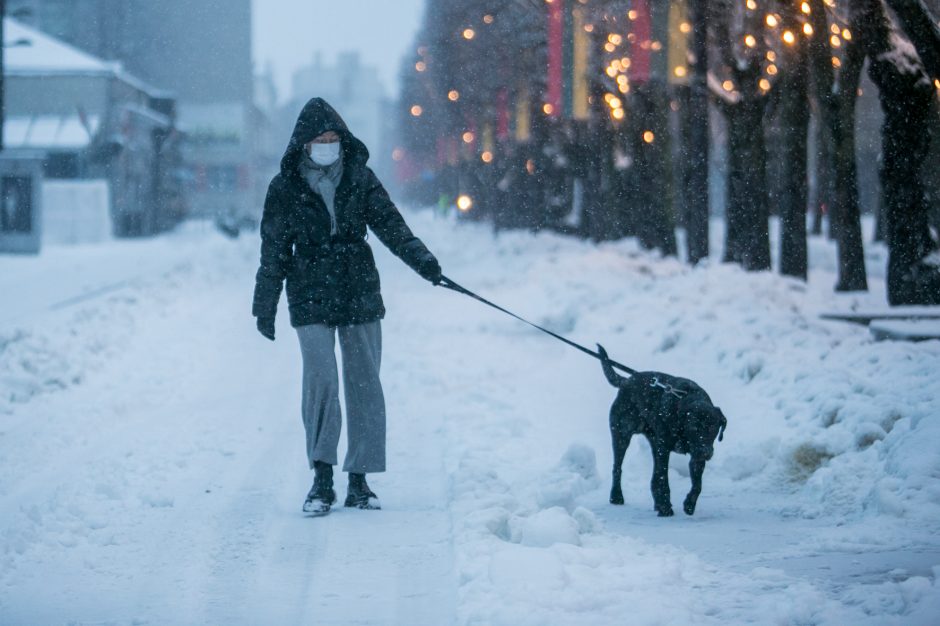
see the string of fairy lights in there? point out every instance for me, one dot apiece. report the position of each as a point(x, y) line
point(767, 28)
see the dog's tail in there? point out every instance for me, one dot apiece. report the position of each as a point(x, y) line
point(613, 377)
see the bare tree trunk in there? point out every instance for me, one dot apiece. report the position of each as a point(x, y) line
point(794, 119)
point(906, 95)
point(845, 220)
point(656, 226)
point(748, 238)
point(697, 153)
point(819, 192)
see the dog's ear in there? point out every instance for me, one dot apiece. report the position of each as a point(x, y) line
point(723, 423)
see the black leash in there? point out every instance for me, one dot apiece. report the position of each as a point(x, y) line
point(449, 284)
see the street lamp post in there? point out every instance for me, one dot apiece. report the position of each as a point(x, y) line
point(3, 117)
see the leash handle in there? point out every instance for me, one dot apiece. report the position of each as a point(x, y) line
point(449, 284)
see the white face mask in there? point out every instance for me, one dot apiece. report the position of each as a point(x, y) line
point(324, 153)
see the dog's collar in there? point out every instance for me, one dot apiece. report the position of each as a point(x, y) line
point(668, 388)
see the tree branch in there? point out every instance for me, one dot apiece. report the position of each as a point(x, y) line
point(921, 28)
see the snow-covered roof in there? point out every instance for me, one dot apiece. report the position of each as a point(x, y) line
point(49, 132)
point(46, 55)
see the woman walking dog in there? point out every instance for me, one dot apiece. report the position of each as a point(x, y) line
point(313, 234)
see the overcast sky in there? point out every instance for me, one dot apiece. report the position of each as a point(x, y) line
point(287, 34)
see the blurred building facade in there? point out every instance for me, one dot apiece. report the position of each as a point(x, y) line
point(201, 52)
point(86, 118)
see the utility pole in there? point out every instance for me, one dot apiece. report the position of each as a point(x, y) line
point(3, 117)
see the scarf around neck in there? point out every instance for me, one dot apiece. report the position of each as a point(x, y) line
point(324, 179)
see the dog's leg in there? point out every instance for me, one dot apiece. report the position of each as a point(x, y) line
point(621, 441)
point(660, 483)
point(696, 468)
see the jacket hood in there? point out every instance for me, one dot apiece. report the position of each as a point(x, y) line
point(316, 118)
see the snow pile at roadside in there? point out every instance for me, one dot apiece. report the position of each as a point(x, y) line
point(78, 313)
point(37, 360)
point(848, 422)
point(831, 443)
point(822, 422)
point(53, 353)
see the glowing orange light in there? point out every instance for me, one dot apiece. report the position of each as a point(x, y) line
point(464, 202)
point(468, 137)
point(487, 157)
point(649, 137)
point(469, 34)
point(416, 110)
point(453, 95)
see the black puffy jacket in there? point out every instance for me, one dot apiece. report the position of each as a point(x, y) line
point(331, 280)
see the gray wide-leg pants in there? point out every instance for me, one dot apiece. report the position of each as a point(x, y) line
point(361, 346)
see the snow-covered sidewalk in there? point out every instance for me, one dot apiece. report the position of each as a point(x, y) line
point(152, 451)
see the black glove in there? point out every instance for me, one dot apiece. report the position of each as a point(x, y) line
point(266, 327)
point(429, 269)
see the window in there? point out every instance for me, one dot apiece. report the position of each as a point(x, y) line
point(16, 204)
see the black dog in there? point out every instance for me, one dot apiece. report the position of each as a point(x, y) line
point(675, 415)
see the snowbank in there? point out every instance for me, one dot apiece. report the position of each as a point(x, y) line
point(824, 424)
point(143, 469)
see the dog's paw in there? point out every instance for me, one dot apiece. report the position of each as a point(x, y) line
point(616, 497)
point(689, 506)
point(665, 512)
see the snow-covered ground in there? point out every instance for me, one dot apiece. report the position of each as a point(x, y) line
point(152, 460)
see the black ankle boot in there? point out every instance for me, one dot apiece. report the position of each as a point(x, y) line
point(321, 496)
point(359, 495)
